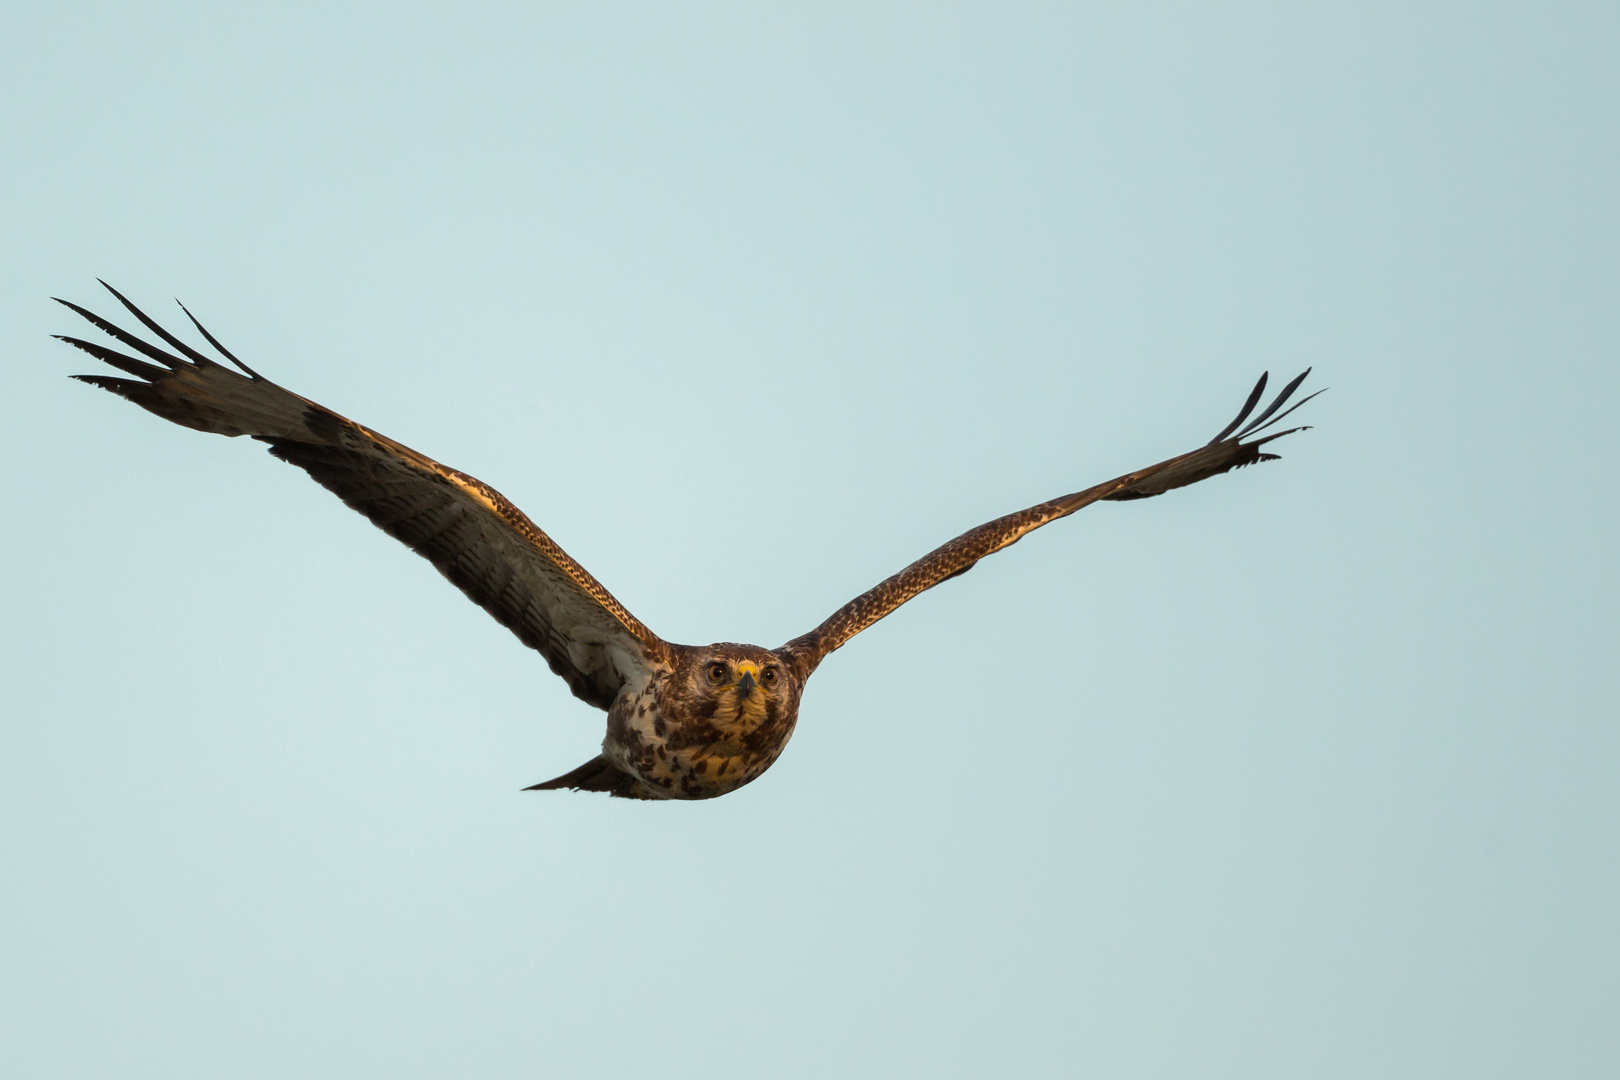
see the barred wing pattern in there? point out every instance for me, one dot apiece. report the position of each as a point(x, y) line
point(1226, 451)
point(486, 546)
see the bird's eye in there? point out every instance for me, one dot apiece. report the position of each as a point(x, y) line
point(768, 677)
point(717, 671)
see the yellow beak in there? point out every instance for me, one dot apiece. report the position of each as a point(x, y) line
point(746, 672)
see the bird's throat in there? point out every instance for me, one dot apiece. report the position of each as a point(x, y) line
point(733, 711)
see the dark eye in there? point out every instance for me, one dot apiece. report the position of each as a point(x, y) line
point(717, 671)
point(768, 677)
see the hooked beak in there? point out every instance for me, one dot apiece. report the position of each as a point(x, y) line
point(745, 678)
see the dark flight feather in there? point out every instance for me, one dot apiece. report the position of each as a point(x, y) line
point(1287, 391)
point(1248, 407)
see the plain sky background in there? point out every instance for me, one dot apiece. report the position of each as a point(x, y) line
point(1307, 771)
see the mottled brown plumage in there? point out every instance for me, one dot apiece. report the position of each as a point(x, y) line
point(684, 722)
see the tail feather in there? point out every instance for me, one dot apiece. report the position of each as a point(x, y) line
point(598, 774)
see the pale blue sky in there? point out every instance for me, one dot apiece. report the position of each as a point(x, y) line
point(1307, 771)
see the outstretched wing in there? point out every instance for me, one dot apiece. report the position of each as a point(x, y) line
point(468, 530)
point(1225, 451)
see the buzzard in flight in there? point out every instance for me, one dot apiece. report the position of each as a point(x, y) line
point(683, 721)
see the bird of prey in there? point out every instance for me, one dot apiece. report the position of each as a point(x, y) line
point(683, 721)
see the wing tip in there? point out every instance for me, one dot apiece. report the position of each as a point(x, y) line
point(175, 362)
point(1269, 416)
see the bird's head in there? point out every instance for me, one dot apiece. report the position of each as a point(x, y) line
point(741, 686)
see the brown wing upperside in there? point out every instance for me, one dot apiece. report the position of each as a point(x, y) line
point(485, 545)
point(1226, 451)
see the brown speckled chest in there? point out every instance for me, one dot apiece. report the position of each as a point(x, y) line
point(694, 750)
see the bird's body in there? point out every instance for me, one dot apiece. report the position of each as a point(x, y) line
point(683, 721)
point(712, 722)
